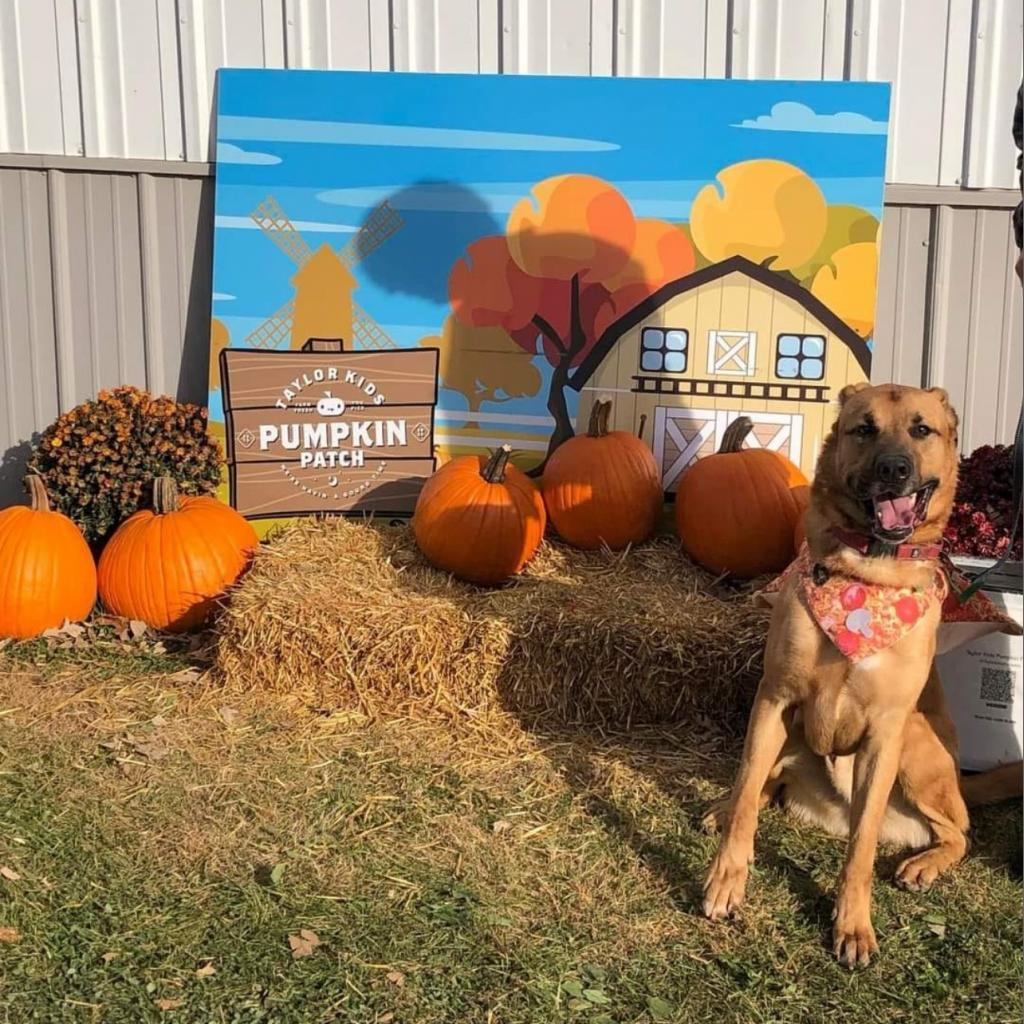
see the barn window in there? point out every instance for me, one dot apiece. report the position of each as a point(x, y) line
point(664, 349)
point(800, 357)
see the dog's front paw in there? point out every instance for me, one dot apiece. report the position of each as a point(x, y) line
point(853, 938)
point(724, 887)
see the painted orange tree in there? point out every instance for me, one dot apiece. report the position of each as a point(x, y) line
point(572, 259)
point(774, 214)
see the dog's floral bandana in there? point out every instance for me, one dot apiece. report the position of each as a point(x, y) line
point(862, 619)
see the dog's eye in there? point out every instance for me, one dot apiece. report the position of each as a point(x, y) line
point(920, 430)
point(864, 430)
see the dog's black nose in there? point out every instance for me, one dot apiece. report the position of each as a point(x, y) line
point(893, 469)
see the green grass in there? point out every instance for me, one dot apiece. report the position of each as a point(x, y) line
point(533, 878)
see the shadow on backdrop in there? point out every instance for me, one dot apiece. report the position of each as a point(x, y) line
point(439, 220)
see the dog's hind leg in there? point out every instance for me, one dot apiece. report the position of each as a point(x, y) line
point(929, 780)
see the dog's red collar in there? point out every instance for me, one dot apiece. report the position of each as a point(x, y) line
point(865, 545)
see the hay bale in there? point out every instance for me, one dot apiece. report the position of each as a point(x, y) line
point(339, 614)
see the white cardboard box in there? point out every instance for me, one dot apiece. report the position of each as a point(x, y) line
point(984, 683)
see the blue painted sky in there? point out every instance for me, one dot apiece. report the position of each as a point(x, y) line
point(454, 152)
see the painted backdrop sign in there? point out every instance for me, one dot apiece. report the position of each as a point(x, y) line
point(491, 254)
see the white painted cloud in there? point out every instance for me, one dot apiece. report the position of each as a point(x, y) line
point(797, 117)
point(229, 154)
point(223, 297)
point(223, 220)
point(343, 133)
point(500, 197)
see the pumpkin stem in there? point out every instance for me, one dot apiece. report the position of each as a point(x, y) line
point(165, 495)
point(643, 423)
point(37, 493)
point(494, 471)
point(735, 434)
point(599, 416)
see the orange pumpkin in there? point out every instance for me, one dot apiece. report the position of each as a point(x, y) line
point(736, 511)
point(168, 565)
point(47, 573)
point(799, 530)
point(603, 488)
point(479, 519)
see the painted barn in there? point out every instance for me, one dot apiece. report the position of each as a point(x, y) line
point(729, 339)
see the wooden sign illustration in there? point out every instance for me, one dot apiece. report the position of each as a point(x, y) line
point(321, 430)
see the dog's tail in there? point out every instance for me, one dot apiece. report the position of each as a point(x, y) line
point(1003, 783)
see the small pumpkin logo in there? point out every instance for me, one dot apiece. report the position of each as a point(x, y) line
point(330, 406)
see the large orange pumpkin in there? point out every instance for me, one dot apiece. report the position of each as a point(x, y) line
point(47, 573)
point(479, 519)
point(603, 488)
point(168, 565)
point(736, 511)
point(799, 526)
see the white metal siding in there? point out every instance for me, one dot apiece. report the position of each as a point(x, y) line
point(135, 78)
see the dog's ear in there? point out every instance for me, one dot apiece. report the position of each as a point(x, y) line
point(850, 390)
point(952, 420)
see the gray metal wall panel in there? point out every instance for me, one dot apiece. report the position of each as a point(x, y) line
point(28, 361)
point(105, 279)
point(177, 235)
point(95, 241)
point(949, 313)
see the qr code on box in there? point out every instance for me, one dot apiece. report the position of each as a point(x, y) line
point(997, 685)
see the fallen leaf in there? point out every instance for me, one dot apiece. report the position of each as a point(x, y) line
point(385, 1018)
point(501, 826)
point(109, 957)
point(206, 971)
point(72, 629)
point(159, 648)
point(10, 874)
point(168, 1004)
point(185, 675)
point(396, 978)
point(9, 935)
point(137, 628)
point(112, 745)
point(151, 749)
point(658, 1008)
point(596, 996)
point(229, 716)
point(574, 988)
point(276, 874)
point(304, 943)
point(159, 721)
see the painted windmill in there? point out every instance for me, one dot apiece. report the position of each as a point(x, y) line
point(323, 306)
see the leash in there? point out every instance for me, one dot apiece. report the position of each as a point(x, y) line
point(1018, 472)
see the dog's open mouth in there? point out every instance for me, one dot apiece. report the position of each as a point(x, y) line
point(895, 516)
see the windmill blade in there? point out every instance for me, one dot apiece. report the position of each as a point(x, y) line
point(382, 223)
point(275, 329)
point(274, 223)
point(367, 332)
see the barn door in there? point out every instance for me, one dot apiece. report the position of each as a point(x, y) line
point(682, 436)
point(780, 432)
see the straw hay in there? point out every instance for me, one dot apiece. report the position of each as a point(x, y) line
point(339, 615)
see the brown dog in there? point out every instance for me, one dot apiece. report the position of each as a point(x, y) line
point(863, 746)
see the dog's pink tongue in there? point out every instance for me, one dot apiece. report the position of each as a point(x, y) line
point(894, 513)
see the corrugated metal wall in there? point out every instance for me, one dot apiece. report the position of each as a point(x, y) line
point(105, 262)
point(105, 279)
point(135, 78)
